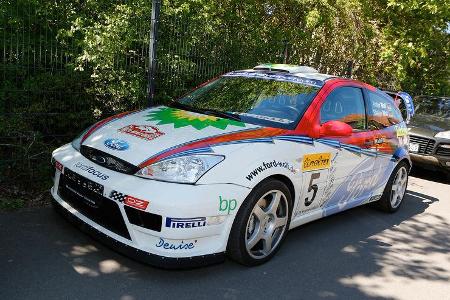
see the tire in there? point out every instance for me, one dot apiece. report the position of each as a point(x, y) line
point(259, 228)
point(387, 202)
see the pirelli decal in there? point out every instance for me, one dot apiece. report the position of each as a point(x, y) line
point(316, 161)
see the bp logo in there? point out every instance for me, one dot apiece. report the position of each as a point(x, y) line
point(116, 144)
point(181, 118)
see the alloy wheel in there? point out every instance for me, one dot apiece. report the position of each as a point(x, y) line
point(399, 187)
point(266, 224)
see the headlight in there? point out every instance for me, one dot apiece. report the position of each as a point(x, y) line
point(443, 134)
point(76, 143)
point(184, 169)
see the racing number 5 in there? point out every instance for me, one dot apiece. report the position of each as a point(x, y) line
point(312, 187)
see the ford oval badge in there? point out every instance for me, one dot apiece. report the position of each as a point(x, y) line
point(116, 144)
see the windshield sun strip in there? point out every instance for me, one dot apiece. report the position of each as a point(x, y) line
point(277, 77)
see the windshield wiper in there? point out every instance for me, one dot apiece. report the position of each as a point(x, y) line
point(222, 114)
point(217, 113)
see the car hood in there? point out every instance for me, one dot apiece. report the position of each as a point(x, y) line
point(138, 136)
point(428, 125)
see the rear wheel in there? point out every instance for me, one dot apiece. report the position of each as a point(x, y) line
point(261, 224)
point(395, 189)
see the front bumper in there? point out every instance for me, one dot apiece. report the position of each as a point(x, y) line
point(166, 246)
point(137, 254)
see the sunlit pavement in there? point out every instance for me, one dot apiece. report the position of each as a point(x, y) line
point(359, 254)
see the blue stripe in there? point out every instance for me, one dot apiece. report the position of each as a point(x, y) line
point(189, 152)
point(261, 140)
point(352, 148)
point(296, 139)
point(332, 143)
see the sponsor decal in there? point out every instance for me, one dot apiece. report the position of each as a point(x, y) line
point(135, 202)
point(403, 131)
point(129, 200)
point(316, 161)
point(116, 144)
point(268, 165)
point(181, 118)
point(145, 132)
point(91, 170)
point(185, 222)
point(374, 198)
point(227, 205)
point(172, 246)
point(330, 182)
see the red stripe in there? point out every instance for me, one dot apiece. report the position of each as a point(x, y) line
point(99, 124)
point(214, 140)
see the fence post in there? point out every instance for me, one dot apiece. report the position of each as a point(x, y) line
point(285, 52)
point(156, 8)
point(349, 71)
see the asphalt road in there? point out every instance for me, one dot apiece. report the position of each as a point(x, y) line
point(359, 254)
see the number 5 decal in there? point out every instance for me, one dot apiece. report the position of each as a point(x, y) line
point(312, 187)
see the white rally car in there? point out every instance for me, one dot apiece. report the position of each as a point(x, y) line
point(233, 165)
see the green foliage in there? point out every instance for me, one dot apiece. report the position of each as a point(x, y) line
point(67, 63)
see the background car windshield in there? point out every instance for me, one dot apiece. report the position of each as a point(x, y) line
point(263, 102)
point(439, 107)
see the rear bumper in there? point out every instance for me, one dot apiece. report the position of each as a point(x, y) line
point(137, 254)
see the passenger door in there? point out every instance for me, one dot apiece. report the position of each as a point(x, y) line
point(349, 181)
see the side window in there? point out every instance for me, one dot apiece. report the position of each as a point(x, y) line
point(382, 112)
point(345, 104)
point(402, 108)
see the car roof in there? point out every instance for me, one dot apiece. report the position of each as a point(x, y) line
point(300, 71)
point(289, 71)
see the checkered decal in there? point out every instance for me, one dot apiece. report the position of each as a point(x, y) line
point(115, 195)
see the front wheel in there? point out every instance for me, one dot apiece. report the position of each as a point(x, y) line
point(395, 189)
point(261, 224)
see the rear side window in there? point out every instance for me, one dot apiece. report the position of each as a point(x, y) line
point(382, 112)
point(345, 104)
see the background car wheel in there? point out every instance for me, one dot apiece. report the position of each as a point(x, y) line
point(395, 189)
point(261, 223)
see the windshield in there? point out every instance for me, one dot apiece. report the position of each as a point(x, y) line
point(438, 107)
point(262, 101)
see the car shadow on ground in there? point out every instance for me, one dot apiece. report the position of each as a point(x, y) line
point(426, 174)
point(323, 259)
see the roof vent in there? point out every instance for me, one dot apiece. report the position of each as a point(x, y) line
point(285, 68)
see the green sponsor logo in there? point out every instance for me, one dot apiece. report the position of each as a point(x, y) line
point(181, 118)
point(227, 205)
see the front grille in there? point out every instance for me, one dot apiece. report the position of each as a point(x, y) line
point(86, 196)
point(426, 145)
point(108, 161)
point(443, 151)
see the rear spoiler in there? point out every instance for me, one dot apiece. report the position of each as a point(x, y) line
point(406, 99)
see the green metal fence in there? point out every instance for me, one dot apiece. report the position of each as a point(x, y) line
point(48, 93)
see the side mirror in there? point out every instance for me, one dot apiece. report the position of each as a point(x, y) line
point(335, 128)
